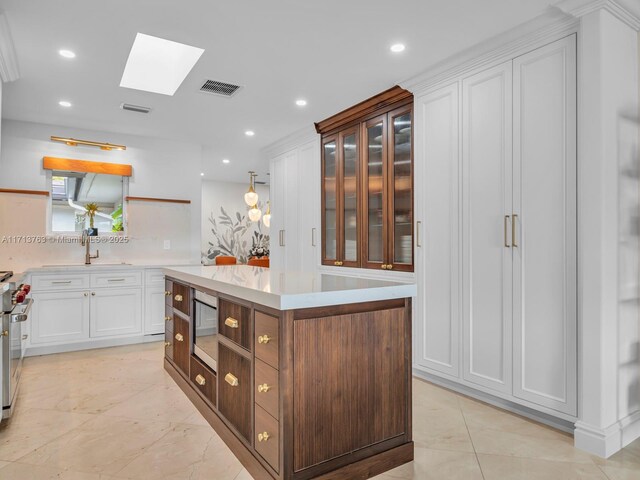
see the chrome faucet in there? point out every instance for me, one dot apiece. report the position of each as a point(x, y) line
point(86, 242)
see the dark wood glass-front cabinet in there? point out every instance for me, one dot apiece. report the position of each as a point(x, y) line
point(367, 184)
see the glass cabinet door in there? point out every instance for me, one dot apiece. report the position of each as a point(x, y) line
point(349, 254)
point(374, 192)
point(401, 190)
point(329, 200)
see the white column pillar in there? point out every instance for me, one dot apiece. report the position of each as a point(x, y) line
point(607, 90)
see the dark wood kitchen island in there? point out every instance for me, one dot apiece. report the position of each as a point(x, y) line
point(313, 371)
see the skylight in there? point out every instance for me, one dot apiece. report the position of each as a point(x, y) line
point(157, 65)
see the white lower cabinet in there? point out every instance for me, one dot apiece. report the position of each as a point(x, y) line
point(115, 311)
point(496, 256)
point(59, 317)
point(154, 302)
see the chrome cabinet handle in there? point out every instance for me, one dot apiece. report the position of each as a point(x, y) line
point(116, 280)
point(418, 239)
point(507, 218)
point(514, 240)
point(86, 294)
point(93, 294)
point(313, 237)
point(60, 282)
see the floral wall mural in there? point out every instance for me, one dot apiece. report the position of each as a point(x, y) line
point(227, 229)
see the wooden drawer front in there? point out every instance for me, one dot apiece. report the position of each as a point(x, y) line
point(168, 344)
point(153, 278)
point(181, 298)
point(116, 279)
point(59, 282)
point(168, 290)
point(267, 388)
point(234, 322)
point(267, 441)
point(203, 379)
point(180, 342)
point(168, 318)
point(266, 338)
point(234, 402)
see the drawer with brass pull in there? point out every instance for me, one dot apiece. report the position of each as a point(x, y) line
point(266, 391)
point(168, 318)
point(203, 379)
point(267, 438)
point(266, 342)
point(181, 298)
point(234, 322)
point(234, 390)
point(180, 341)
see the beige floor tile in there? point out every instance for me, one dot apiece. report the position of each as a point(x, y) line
point(496, 467)
point(23, 471)
point(622, 473)
point(32, 428)
point(189, 452)
point(3, 464)
point(196, 418)
point(438, 465)
point(441, 429)
point(244, 475)
point(101, 445)
point(159, 403)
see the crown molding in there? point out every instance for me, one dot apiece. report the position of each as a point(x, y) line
point(9, 70)
point(290, 142)
point(627, 11)
point(546, 28)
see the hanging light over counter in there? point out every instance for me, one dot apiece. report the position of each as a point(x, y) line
point(251, 197)
point(266, 218)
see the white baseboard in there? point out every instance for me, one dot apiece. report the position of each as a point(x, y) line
point(35, 350)
point(604, 442)
point(540, 417)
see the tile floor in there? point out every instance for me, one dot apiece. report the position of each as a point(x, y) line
point(114, 414)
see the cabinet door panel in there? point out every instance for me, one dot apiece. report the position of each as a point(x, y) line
point(59, 317)
point(400, 172)
point(487, 262)
point(545, 201)
point(349, 162)
point(374, 192)
point(437, 137)
point(330, 200)
point(181, 343)
point(154, 310)
point(234, 401)
point(116, 312)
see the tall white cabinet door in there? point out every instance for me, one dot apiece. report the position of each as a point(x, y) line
point(59, 317)
point(154, 302)
point(545, 204)
point(487, 205)
point(115, 311)
point(437, 143)
point(309, 230)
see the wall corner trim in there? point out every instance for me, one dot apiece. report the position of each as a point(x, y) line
point(9, 70)
point(604, 442)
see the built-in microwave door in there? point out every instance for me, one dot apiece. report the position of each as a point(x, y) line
point(205, 345)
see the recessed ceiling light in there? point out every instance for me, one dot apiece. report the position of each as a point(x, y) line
point(67, 54)
point(397, 48)
point(225, 160)
point(301, 102)
point(249, 133)
point(64, 103)
point(202, 174)
point(157, 65)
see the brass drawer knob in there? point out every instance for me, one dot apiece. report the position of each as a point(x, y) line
point(231, 380)
point(178, 298)
point(179, 337)
point(264, 388)
point(167, 293)
point(167, 344)
point(264, 339)
point(4, 333)
point(389, 266)
point(231, 322)
point(384, 266)
point(167, 319)
point(200, 380)
point(263, 437)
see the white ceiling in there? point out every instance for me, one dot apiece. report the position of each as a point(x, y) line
point(333, 53)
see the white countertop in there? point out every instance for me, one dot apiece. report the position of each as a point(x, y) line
point(81, 268)
point(289, 290)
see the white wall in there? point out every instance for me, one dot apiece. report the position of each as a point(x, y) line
point(230, 196)
point(161, 168)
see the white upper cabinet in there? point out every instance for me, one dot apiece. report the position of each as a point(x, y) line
point(438, 240)
point(486, 224)
point(544, 199)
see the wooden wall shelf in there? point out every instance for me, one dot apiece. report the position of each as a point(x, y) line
point(161, 200)
point(44, 193)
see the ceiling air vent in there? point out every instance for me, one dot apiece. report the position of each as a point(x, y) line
point(135, 108)
point(219, 88)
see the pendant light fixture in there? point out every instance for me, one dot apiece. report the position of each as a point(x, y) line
point(251, 197)
point(255, 214)
point(266, 218)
